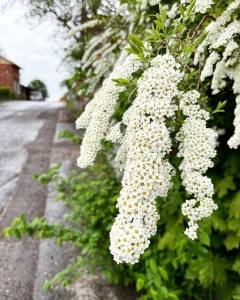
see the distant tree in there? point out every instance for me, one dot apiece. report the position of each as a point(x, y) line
point(39, 86)
point(68, 13)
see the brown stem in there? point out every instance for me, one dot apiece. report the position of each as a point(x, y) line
point(200, 25)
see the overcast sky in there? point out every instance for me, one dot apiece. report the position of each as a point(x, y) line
point(34, 47)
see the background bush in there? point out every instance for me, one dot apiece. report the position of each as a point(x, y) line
point(5, 93)
point(173, 267)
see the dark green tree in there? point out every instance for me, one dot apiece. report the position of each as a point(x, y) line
point(39, 86)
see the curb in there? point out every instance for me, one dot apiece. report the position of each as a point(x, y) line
point(52, 258)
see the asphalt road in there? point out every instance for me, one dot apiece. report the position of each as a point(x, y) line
point(27, 131)
point(20, 124)
point(29, 144)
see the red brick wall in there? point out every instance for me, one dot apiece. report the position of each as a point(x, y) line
point(9, 74)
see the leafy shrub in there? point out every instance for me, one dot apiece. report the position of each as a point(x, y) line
point(5, 93)
point(173, 267)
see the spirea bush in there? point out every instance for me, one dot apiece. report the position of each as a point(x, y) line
point(165, 116)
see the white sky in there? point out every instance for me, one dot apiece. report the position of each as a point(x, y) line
point(34, 47)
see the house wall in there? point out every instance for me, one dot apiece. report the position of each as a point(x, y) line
point(9, 76)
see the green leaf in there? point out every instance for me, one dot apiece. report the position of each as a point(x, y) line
point(201, 269)
point(234, 207)
point(220, 106)
point(136, 45)
point(163, 273)
point(236, 293)
point(204, 238)
point(236, 265)
point(220, 266)
point(198, 41)
point(181, 9)
point(140, 284)
point(223, 186)
point(153, 266)
point(232, 241)
point(190, 8)
point(218, 222)
point(122, 81)
point(233, 224)
point(167, 240)
point(52, 173)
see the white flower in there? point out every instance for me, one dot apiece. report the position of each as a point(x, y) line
point(226, 35)
point(98, 113)
point(209, 65)
point(216, 31)
point(219, 77)
point(173, 11)
point(234, 141)
point(147, 173)
point(230, 47)
point(84, 26)
point(201, 6)
point(222, 36)
point(197, 147)
point(114, 133)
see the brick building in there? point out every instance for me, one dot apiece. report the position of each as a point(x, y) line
point(9, 76)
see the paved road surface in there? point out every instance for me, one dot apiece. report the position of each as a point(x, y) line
point(27, 134)
point(28, 145)
point(20, 124)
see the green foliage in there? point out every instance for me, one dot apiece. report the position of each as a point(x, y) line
point(136, 46)
point(39, 86)
point(51, 175)
point(5, 93)
point(72, 137)
point(173, 266)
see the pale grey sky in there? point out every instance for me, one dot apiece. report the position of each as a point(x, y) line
point(34, 47)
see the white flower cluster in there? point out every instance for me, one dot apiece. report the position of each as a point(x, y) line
point(144, 3)
point(147, 172)
point(115, 133)
point(224, 59)
point(197, 147)
point(230, 47)
point(215, 29)
point(201, 6)
point(172, 11)
point(219, 77)
point(97, 115)
point(84, 26)
point(207, 71)
point(234, 141)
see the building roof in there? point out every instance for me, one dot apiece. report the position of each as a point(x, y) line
point(5, 61)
